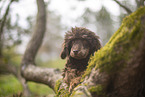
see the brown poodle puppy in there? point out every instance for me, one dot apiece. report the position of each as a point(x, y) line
point(79, 44)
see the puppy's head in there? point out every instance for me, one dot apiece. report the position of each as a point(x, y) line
point(80, 43)
point(79, 49)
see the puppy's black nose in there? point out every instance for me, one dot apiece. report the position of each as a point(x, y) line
point(76, 51)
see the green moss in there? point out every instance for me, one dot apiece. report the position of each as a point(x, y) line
point(61, 92)
point(96, 89)
point(76, 94)
point(80, 91)
point(119, 48)
point(89, 67)
point(57, 85)
point(39, 89)
point(9, 85)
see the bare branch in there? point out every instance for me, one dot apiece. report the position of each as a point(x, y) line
point(123, 6)
point(47, 76)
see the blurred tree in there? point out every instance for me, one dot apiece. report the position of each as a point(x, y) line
point(11, 33)
point(53, 38)
point(101, 21)
point(104, 24)
point(2, 24)
point(10, 37)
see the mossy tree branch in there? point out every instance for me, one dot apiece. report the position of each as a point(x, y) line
point(116, 70)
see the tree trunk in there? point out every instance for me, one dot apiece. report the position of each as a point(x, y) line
point(38, 34)
point(117, 70)
point(33, 45)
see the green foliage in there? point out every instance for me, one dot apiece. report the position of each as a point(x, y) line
point(39, 89)
point(10, 56)
point(56, 63)
point(9, 85)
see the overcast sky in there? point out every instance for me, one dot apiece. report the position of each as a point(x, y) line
point(61, 7)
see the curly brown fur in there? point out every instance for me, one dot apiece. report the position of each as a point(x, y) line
point(74, 67)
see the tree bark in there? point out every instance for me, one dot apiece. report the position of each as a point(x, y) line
point(47, 76)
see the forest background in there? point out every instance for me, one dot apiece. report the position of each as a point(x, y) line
point(101, 16)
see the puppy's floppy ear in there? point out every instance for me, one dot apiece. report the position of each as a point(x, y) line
point(95, 44)
point(64, 53)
